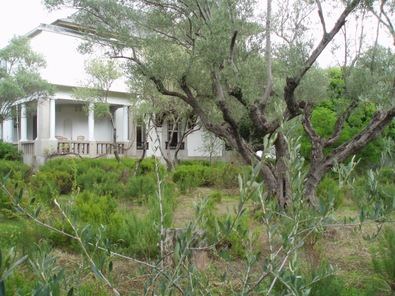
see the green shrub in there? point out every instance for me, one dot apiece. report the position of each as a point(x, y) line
point(386, 175)
point(215, 197)
point(140, 186)
point(19, 234)
point(9, 152)
point(138, 235)
point(328, 191)
point(333, 286)
point(383, 257)
point(46, 185)
point(90, 288)
point(93, 209)
point(14, 176)
point(220, 174)
point(20, 283)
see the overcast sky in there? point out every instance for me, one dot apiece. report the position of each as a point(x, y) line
point(19, 17)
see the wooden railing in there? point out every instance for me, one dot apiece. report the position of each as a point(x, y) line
point(75, 147)
point(106, 148)
point(27, 147)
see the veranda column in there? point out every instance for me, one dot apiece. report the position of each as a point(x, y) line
point(52, 119)
point(91, 122)
point(125, 124)
point(91, 130)
point(23, 123)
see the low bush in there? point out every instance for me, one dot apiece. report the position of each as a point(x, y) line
point(220, 174)
point(94, 209)
point(383, 257)
point(138, 235)
point(141, 187)
point(13, 175)
point(9, 152)
point(19, 234)
point(101, 176)
point(329, 192)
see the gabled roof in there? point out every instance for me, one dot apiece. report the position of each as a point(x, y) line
point(63, 26)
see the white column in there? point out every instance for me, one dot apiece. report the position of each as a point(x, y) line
point(23, 123)
point(8, 130)
point(91, 122)
point(52, 119)
point(125, 124)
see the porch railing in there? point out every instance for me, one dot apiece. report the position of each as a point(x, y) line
point(105, 148)
point(77, 147)
point(27, 147)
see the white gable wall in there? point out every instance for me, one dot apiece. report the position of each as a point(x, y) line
point(65, 65)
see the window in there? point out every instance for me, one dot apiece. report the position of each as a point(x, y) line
point(173, 136)
point(140, 135)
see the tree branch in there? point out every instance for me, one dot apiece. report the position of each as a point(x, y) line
point(321, 15)
point(308, 126)
point(340, 123)
point(379, 121)
point(293, 82)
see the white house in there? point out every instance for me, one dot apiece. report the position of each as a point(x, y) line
point(61, 124)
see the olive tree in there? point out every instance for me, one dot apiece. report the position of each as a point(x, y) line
point(19, 75)
point(230, 66)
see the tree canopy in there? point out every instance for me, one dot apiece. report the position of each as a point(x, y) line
point(236, 69)
point(19, 75)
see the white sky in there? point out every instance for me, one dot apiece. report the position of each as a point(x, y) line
point(19, 17)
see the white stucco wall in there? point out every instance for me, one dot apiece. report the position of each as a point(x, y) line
point(196, 146)
point(65, 65)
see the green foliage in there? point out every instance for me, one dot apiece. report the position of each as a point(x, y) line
point(101, 176)
point(376, 201)
point(13, 176)
point(141, 187)
point(20, 78)
point(383, 257)
point(20, 283)
point(90, 289)
point(8, 263)
point(329, 192)
point(94, 209)
point(9, 152)
point(188, 176)
point(19, 234)
point(336, 285)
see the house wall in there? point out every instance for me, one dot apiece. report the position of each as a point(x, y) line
point(197, 148)
point(65, 64)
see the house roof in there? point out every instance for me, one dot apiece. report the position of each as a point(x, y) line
point(64, 26)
